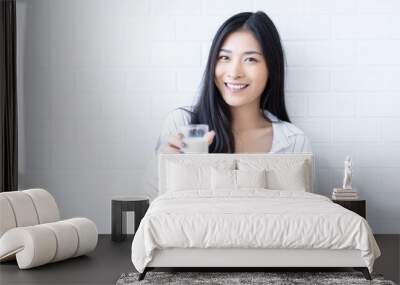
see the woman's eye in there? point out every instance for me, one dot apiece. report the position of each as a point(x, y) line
point(251, 59)
point(223, 57)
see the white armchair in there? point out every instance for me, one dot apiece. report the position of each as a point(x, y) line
point(32, 233)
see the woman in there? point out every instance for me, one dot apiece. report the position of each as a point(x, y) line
point(242, 95)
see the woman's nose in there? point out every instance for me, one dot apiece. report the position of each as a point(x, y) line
point(234, 76)
point(235, 70)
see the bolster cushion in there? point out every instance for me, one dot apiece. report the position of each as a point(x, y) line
point(40, 244)
point(27, 208)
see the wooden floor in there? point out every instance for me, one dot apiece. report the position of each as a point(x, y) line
point(111, 259)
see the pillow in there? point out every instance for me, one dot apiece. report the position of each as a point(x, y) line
point(186, 174)
point(282, 174)
point(187, 177)
point(251, 178)
point(223, 179)
point(288, 178)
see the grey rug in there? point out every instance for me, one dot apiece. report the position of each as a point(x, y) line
point(269, 278)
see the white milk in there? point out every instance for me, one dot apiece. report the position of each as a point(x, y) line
point(195, 145)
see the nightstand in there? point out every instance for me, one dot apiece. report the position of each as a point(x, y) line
point(357, 206)
point(119, 207)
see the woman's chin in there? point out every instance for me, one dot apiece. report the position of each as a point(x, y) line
point(235, 103)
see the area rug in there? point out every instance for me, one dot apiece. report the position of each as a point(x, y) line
point(243, 278)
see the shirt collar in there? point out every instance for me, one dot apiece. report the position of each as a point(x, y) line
point(271, 116)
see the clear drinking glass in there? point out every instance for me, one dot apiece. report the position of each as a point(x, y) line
point(194, 138)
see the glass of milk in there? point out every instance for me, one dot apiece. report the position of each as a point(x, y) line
point(194, 138)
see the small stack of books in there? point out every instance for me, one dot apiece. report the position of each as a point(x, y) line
point(344, 194)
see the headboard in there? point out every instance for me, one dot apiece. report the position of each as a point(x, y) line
point(236, 158)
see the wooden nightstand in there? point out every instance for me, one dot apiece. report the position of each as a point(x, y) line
point(357, 206)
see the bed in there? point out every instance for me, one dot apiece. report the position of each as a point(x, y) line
point(247, 210)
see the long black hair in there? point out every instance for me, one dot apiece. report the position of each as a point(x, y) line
point(211, 109)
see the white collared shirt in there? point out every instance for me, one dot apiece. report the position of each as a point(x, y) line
point(286, 137)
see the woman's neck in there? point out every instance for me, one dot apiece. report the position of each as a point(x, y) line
point(248, 117)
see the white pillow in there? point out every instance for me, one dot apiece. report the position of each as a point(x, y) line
point(251, 178)
point(227, 179)
point(282, 174)
point(288, 178)
point(187, 175)
point(223, 179)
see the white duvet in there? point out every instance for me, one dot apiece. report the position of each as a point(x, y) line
point(250, 219)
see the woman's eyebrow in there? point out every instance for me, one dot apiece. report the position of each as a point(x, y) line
point(246, 52)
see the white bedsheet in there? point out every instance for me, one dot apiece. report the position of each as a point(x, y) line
point(253, 218)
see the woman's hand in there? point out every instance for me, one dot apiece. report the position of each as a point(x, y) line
point(175, 143)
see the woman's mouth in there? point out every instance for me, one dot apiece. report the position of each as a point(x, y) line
point(235, 87)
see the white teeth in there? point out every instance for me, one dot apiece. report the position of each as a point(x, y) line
point(236, 86)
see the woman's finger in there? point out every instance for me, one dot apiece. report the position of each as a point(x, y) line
point(210, 137)
point(176, 141)
point(169, 149)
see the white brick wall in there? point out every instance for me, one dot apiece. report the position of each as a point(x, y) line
point(97, 77)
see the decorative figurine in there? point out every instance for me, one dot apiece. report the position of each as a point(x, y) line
point(348, 172)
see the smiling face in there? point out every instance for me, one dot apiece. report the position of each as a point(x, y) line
point(241, 72)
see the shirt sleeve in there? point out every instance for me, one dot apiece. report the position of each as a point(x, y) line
point(303, 144)
point(171, 124)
